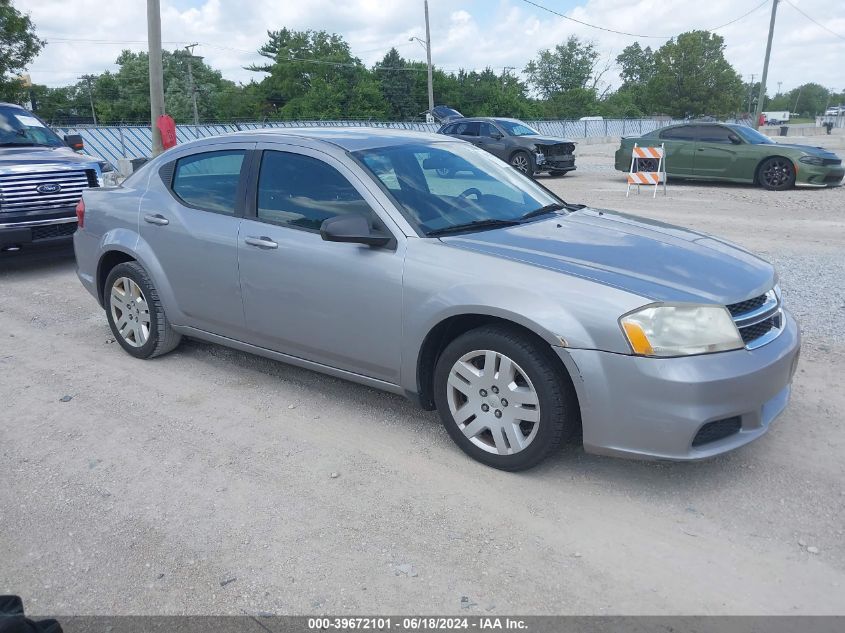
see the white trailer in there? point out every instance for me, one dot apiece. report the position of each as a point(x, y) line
point(777, 117)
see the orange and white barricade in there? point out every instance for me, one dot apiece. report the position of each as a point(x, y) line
point(654, 177)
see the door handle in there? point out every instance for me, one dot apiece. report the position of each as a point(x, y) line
point(261, 242)
point(700, 149)
point(158, 219)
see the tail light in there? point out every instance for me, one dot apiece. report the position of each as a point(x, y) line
point(80, 213)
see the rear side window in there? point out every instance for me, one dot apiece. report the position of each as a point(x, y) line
point(301, 192)
point(467, 128)
point(682, 133)
point(209, 181)
point(714, 134)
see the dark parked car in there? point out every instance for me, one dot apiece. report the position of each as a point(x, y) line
point(517, 143)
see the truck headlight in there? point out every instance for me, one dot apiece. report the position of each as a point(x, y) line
point(812, 160)
point(680, 330)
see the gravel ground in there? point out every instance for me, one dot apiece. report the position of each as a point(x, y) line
point(201, 482)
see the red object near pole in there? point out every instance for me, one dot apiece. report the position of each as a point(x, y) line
point(167, 126)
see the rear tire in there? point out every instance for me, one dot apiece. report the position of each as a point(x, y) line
point(776, 174)
point(504, 398)
point(135, 314)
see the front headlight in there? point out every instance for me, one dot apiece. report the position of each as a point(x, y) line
point(680, 330)
point(812, 160)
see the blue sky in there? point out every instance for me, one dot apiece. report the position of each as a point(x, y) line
point(465, 33)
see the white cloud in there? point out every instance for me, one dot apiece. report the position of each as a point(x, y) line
point(465, 33)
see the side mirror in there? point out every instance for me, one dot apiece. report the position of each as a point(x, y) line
point(74, 141)
point(496, 135)
point(733, 138)
point(353, 228)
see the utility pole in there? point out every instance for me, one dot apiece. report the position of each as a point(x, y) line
point(428, 53)
point(156, 79)
point(190, 50)
point(779, 84)
point(766, 65)
point(750, 91)
point(87, 79)
point(505, 73)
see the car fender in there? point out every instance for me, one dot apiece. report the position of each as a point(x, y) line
point(133, 245)
point(551, 320)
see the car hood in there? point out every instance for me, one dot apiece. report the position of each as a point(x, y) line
point(809, 149)
point(546, 140)
point(657, 261)
point(16, 156)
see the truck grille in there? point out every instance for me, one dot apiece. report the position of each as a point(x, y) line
point(759, 319)
point(44, 191)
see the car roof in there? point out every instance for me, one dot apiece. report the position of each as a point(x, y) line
point(348, 138)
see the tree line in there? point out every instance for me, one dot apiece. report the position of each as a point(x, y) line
point(314, 75)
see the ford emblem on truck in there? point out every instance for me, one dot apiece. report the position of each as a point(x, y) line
point(49, 187)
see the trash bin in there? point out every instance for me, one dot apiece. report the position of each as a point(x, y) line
point(784, 130)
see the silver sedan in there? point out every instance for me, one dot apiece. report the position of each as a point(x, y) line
point(523, 319)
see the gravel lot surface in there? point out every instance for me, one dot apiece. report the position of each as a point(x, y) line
point(201, 482)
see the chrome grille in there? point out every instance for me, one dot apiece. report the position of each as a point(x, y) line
point(58, 189)
point(759, 319)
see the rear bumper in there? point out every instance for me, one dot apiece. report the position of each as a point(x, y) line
point(652, 408)
point(43, 231)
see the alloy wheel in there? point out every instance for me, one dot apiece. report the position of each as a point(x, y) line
point(777, 173)
point(493, 402)
point(129, 311)
point(520, 161)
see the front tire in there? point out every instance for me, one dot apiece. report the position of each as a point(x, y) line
point(503, 397)
point(776, 174)
point(522, 161)
point(135, 314)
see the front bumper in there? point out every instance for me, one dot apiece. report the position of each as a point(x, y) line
point(819, 175)
point(653, 408)
point(554, 163)
point(37, 232)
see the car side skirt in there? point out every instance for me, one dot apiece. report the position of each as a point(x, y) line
point(290, 360)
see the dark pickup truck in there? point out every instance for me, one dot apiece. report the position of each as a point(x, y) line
point(41, 180)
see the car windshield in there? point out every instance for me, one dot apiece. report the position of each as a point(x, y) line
point(517, 128)
point(750, 135)
point(449, 187)
point(19, 127)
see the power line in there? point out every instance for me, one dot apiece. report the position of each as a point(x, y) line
point(654, 37)
point(816, 22)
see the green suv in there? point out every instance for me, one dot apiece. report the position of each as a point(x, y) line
point(734, 153)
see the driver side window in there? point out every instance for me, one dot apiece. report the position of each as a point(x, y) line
point(302, 192)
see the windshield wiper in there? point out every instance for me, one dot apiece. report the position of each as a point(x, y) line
point(549, 208)
point(469, 226)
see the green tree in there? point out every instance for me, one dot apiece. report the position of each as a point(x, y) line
point(637, 64)
point(124, 95)
point(570, 65)
point(692, 77)
point(18, 47)
point(809, 100)
point(396, 82)
point(312, 74)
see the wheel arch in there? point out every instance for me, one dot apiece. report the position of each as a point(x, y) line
point(108, 260)
point(451, 327)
